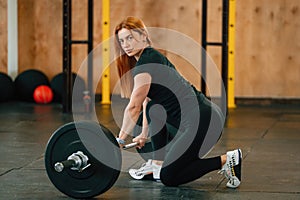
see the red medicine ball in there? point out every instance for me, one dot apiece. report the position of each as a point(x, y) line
point(43, 94)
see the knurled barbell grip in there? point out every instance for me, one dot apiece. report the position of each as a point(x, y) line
point(59, 166)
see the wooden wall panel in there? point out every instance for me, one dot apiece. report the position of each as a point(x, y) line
point(267, 48)
point(214, 34)
point(3, 36)
point(40, 36)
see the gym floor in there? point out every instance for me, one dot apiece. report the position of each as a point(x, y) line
point(268, 135)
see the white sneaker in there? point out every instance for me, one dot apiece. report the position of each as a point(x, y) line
point(232, 168)
point(147, 168)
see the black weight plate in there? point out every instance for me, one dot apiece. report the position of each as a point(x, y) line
point(97, 178)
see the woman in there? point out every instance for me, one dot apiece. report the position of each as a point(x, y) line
point(150, 80)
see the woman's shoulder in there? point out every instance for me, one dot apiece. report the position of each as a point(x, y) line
point(151, 55)
point(152, 51)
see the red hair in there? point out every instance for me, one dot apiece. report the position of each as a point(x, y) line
point(124, 62)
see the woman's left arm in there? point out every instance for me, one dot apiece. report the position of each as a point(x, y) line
point(140, 91)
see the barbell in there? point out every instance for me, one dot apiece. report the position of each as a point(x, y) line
point(83, 159)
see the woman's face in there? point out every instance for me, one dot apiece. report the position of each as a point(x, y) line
point(132, 42)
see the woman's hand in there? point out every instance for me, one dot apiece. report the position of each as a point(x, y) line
point(140, 140)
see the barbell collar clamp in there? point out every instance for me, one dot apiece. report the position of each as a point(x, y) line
point(77, 161)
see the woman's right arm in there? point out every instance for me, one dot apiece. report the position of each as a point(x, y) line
point(142, 137)
point(145, 121)
point(132, 111)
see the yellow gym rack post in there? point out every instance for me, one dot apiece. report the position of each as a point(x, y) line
point(105, 52)
point(231, 53)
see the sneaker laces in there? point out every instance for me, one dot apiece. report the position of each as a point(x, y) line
point(228, 169)
point(140, 171)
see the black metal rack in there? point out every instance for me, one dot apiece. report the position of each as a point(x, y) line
point(223, 44)
point(67, 52)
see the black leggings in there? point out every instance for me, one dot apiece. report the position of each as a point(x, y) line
point(186, 166)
